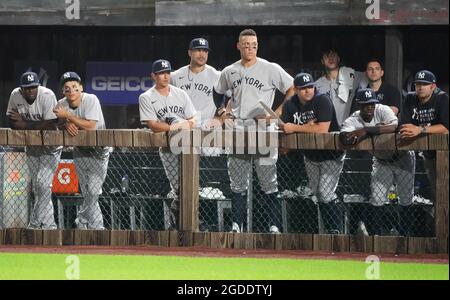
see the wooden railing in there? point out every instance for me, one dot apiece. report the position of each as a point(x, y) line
point(189, 235)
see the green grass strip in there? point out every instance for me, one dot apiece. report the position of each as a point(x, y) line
point(56, 266)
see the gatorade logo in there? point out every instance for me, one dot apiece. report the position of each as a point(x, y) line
point(421, 75)
point(368, 94)
point(64, 176)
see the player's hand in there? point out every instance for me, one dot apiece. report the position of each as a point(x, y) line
point(356, 136)
point(61, 112)
point(213, 123)
point(408, 131)
point(71, 128)
point(288, 128)
point(283, 151)
point(15, 116)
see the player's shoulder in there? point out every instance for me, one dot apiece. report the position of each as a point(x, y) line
point(179, 72)
point(211, 69)
point(410, 97)
point(45, 92)
point(176, 91)
point(383, 108)
point(232, 68)
point(322, 97)
point(15, 91)
point(147, 93)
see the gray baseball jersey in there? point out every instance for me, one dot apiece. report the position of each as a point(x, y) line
point(383, 114)
point(342, 90)
point(154, 106)
point(199, 88)
point(251, 85)
point(40, 110)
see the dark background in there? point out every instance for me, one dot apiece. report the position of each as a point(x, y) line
point(296, 48)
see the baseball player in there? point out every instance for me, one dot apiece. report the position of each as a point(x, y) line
point(389, 167)
point(311, 112)
point(339, 83)
point(252, 79)
point(425, 111)
point(31, 107)
point(198, 79)
point(82, 111)
point(164, 108)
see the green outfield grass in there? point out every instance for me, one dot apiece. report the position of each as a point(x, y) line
point(53, 266)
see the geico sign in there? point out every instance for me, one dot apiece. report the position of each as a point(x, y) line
point(118, 84)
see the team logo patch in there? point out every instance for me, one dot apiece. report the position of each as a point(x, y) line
point(30, 78)
point(421, 75)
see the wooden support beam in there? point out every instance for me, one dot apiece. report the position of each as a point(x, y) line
point(288, 141)
point(201, 239)
point(264, 241)
point(361, 243)
point(340, 243)
point(419, 245)
point(189, 182)
point(384, 142)
point(365, 144)
point(83, 138)
point(390, 244)
point(244, 241)
point(53, 137)
point(441, 207)
point(105, 137)
point(438, 141)
point(52, 238)
point(123, 137)
point(16, 137)
point(32, 237)
point(306, 141)
point(323, 242)
point(325, 141)
point(33, 137)
point(418, 143)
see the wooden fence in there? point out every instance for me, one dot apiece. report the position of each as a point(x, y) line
point(189, 234)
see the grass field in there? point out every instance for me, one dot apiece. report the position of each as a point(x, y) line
point(54, 266)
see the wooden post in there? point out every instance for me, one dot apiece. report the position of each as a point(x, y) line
point(394, 57)
point(189, 184)
point(441, 206)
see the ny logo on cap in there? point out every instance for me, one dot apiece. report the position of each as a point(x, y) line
point(202, 42)
point(30, 78)
point(421, 75)
point(306, 78)
point(165, 64)
point(368, 94)
point(66, 75)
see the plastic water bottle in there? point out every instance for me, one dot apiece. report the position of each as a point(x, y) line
point(125, 183)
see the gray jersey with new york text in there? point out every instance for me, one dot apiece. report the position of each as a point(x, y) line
point(177, 105)
point(251, 85)
point(199, 88)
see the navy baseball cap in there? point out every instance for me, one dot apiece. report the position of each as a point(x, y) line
point(366, 96)
point(69, 76)
point(29, 79)
point(161, 65)
point(424, 76)
point(199, 43)
point(303, 80)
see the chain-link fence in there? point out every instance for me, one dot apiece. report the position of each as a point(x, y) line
point(135, 188)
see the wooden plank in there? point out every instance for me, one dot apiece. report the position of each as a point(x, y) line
point(33, 137)
point(306, 242)
point(151, 238)
point(102, 237)
point(120, 237)
point(4, 136)
point(105, 137)
point(84, 237)
point(213, 138)
point(31, 237)
point(441, 208)
point(53, 137)
point(52, 238)
point(142, 138)
point(418, 143)
point(390, 244)
point(159, 140)
point(83, 138)
point(136, 238)
point(163, 238)
point(384, 142)
point(13, 236)
point(420, 245)
point(185, 238)
point(244, 241)
point(341, 243)
point(287, 241)
point(306, 141)
point(201, 239)
point(288, 141)
point(190, 170)
point(325, 141)
point(220, 240)
point(2, 237)
point(365, 144)
point(16, 138)
point(264, 241)
point(68, 237)
point(323, 242)
point(123, 137)
point(361, 243)
point(438, 141)
point(173, 238)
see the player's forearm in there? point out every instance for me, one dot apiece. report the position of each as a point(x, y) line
point(310, 128)
point(82, 123)
point(33, 125)
point(287, 96)
point(438, 128)
point(156, 126)
point(376, 130)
